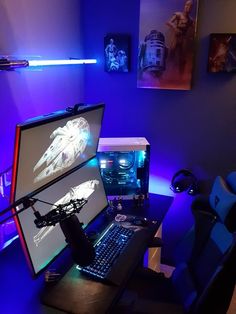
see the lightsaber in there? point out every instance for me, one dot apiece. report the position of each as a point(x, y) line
point(35, 63)
point(8, 65)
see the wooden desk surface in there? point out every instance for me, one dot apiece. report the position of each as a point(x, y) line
point(75, 293)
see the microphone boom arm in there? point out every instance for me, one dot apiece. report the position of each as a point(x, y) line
point(60, 213)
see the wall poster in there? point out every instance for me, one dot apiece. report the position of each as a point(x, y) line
point(222, 53)
point(166, 43)
point(117, 52)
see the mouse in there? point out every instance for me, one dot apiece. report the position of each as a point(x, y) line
point(143, 222)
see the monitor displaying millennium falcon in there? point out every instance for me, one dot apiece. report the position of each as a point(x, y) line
point(67, 144)
point(44, 244)
point(47, 147)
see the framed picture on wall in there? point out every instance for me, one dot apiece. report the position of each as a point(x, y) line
point(117, 52)
point(167, 32)
point(222, 53)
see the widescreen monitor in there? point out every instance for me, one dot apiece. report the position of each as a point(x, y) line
point(43, 245)
point(47, 147)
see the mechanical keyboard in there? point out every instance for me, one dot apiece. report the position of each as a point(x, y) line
point(108, 250)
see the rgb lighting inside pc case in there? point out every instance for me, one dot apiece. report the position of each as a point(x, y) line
point(124, 164)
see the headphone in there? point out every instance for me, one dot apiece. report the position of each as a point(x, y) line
point(184, 180)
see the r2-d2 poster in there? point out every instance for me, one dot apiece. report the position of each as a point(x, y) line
point(116, 52)
point(166, 43)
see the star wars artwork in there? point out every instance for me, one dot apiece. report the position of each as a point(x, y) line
point(68, 143)
point(117, 52)
point(222, 53)
point(166, 43)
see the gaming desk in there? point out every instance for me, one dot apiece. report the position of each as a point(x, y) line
point(75, 293)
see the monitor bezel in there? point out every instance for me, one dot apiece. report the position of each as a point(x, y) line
point(34, 122)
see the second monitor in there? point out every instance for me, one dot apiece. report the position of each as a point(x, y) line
point(41, 246)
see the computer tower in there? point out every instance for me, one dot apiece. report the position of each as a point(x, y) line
point(124, 164)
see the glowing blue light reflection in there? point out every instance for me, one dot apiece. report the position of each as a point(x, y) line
point(159, 185)
point(92, 163)
point(35, 63)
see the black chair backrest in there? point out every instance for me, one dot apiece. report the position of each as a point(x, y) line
point(201, 280)
point(205, 281)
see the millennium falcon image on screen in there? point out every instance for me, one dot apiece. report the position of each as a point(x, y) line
point(69, 142)
point(83, 190)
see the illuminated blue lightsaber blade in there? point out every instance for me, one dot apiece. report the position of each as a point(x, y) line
point(35, 63)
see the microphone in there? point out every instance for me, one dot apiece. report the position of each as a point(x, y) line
point(82, 249)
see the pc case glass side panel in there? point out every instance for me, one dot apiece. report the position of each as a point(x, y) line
point(43, 245)
point(49, 150)
point(124, 172)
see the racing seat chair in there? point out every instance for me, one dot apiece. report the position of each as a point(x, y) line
point(219, 204)
point(203, 283)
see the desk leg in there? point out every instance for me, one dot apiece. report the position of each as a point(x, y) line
point(154, 254)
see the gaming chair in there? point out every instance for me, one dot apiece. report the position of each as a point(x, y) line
point(203, 283)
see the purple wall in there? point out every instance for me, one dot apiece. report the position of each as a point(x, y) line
point(192, 129)
point(186, 129)
point(45, 29)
